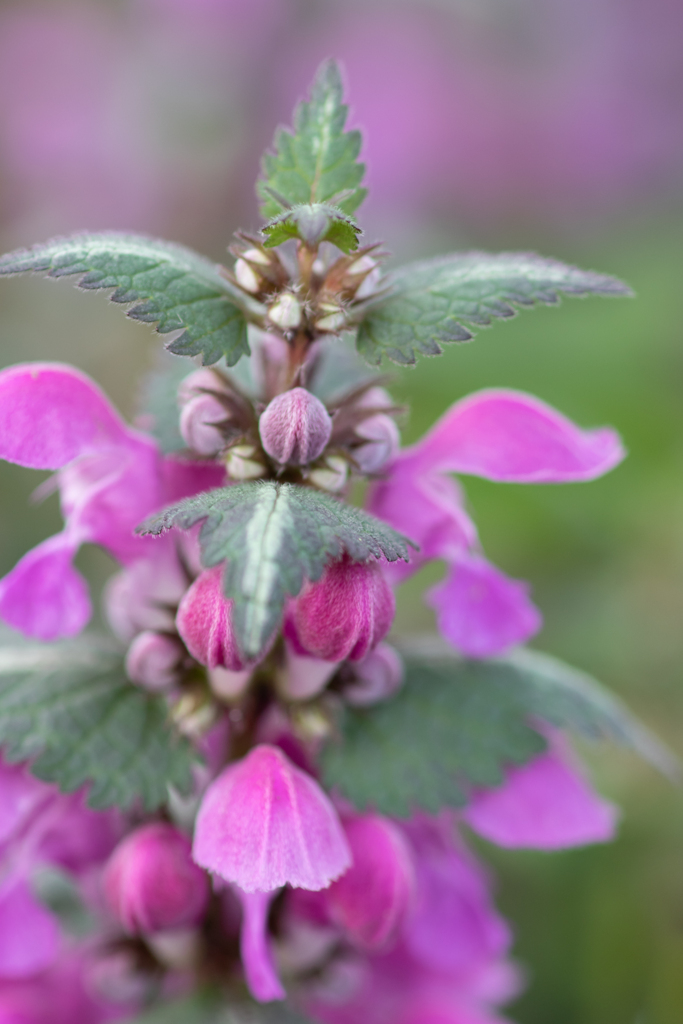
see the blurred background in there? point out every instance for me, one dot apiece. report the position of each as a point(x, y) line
point(525, 124)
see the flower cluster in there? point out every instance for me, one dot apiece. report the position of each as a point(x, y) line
point(258, 633)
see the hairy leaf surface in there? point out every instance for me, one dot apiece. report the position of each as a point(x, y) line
point(319, 160)
point(168, 284)
point(449, 298)
point(458, 724)
point(274, 536)
point(72, 709)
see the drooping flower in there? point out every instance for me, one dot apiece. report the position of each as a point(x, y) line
point(263, 823)
point(500, 435)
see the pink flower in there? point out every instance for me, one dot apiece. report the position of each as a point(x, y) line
point(257, 959)
point(151, 882)
point(295, 427)
point(546, 804)
point(264, 823)
point(500, 435)
point(204, 622)
point(342, 616)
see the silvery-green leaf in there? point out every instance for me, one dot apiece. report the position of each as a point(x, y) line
point(458, 724)
point(167, 284)
point(449, 298)
point(72, 711)
point(272, 537)
point(313, 223)
point(318, 160)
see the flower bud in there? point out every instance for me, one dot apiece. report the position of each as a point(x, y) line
point(383, 442)
point(241, 464)
point(370, 900)
point(333, 318)
point(285, 312)
point(153, 660)
point(264, 823)
point(199, 421)
point(342, 616)
point(151, 882)
point(377, 677)
point(295, 427)
point(332, 475)
point(198, 382)
point(246, 277)
point(204, 623)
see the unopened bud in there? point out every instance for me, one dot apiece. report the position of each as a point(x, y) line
point(285, 312)
point(295, 428)
point(151, 882)
point(199, 421)
point(247, 278)
point(241, 464)
point(378, 677)
point(383, 442)
point(198, 382)
point(343, 615)
point(332, 475)
point(153, 660)
point(204, 622)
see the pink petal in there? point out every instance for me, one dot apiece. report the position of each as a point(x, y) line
point(43, 595)
point(510, 436)
point(371, 899)
point(29, 934)
point(264, 823)
point(51, 413)
point(481, 611)
point(257, 960)
point(546, 805)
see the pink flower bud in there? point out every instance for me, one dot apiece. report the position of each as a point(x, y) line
point(153, 660)
point(370, 900)
point(344, 615)
point(204, 623)
point(264, 823)
point(198, 424)
point(151, 882)
point(383, 442)
point(295, 428)
point(198, 382)
point(377, 677)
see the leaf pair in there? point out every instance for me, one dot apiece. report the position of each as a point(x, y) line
point(274, 536)
point(458, 724)
point(72, 711)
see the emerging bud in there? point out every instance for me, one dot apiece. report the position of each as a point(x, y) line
point(264, 823)
point(295, 428)
point(151, 882)
point(331, 476)
point(247, 278)
point(342, 616)
point(285, 312)
point(377, 677)
point(371, 899)
point(199, 421)
point(333, 318)
point(241, 464)
point(204, 623)
point(198, 382)
point(383, 442)
point(153, 660)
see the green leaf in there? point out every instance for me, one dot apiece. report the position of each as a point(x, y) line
point(72, 711)
point(458, 724)
point(170, 286)
point(313, 223)
point(211, 1006)
point(274, 536)
point(449, 298)
point(319, 160)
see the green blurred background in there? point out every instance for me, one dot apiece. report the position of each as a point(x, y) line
point(525, 125)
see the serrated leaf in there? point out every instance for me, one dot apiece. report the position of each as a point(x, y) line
point(272, 537)
point(313, 223)
point(168, 285)
point(449, 298)
point(319, 160)
point(458, 724)
point(210, 1006)
point(71, 709)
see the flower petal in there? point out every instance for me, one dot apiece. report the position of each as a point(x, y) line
point(546, 805)
point(257, 960)
point(43, 595)
point(480, 610)
point(514, 437)
point(51, 413)
point(29, 934)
